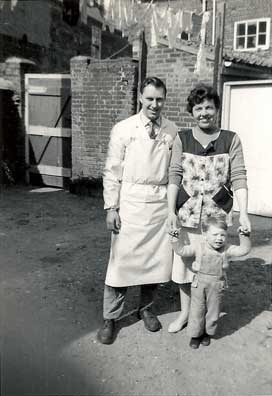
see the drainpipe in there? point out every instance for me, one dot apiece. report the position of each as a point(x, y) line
point(213, 23)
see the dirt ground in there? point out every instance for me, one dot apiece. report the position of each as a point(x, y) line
point(54, 251)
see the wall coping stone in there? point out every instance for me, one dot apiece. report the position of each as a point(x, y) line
point(14, 59)
point(191, 49)
point(6, 84)
point(82, 58)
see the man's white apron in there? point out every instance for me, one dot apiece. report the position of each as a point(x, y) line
point(141, 252)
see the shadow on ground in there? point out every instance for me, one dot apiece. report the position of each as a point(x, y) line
point(54, 249)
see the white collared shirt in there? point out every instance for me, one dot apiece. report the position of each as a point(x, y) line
point(151, 126)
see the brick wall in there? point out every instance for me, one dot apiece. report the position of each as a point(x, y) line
point(176, 69)
point(103, 92)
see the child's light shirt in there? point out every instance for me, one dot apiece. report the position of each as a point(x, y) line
point(208, 260)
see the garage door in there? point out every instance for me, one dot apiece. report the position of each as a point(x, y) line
point(247, 110)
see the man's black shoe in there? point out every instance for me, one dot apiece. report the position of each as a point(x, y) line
point(106, 333)
point(195, 342)
point(151, 321)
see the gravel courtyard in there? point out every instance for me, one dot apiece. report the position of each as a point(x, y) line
point(54, 251)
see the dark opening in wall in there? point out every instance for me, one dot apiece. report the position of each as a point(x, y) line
point(184, 36)
point(71, 11)
point(23, 41)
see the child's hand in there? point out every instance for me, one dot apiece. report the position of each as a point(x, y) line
point(243, 231)
point(196, 266)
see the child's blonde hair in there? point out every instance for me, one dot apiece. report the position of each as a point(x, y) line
point(219, 222)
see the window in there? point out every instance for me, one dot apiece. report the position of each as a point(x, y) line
point(252, 34)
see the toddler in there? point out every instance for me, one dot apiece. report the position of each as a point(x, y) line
point(210, 265)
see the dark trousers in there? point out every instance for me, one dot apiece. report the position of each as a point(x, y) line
point(114, 299)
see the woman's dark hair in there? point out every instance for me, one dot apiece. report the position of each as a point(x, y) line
point(155, 81)
point(201, 92)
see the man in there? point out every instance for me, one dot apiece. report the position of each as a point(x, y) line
point(135, 187)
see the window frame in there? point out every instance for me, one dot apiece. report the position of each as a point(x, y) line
point(246, 35)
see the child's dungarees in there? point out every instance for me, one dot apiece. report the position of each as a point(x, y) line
point(207, 291)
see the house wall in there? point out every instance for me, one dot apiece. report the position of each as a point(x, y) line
point(35, 30)
point(238, 10)
point(26, 18)
point(114, 43)
point(103, 92)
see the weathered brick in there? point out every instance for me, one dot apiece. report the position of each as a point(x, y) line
point(104, 100)
point(178, 74)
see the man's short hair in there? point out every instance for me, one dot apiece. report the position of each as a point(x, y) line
point(219, 222)
point(155, 81)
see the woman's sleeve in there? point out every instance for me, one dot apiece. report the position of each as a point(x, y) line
point(175, 168)
point(237, 165)
point(113, 169)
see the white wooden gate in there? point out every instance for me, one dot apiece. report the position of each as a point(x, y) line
point(247, 110)
point(48, 128)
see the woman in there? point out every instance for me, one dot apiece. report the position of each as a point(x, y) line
point(206, 162)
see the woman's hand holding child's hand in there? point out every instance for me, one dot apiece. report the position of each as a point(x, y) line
point(243, 231)
point(172, 222)
point(174, 235)
point(173, 227)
